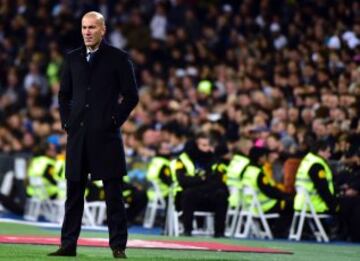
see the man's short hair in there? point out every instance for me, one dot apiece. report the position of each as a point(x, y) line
point(321, 145)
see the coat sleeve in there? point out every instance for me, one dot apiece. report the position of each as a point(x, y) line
point(187, 181)
point(317, 175)
point(165, 175)
point(269, 189)
point(65, 93)
point(128, 90)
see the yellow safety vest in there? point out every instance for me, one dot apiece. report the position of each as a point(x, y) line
point(249, 179)
point(185, 160)
point(37, 168)
point(236, 166)
point(303, 179)
point(153, 174)
point(127, 192)
point(60, 176)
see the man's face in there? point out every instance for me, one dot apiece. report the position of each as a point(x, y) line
point(92, 31)
point(325, 153)
point(203, 145)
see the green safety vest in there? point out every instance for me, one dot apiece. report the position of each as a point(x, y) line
point(303, 179)
point(127, 192)
point(249, 179)
point(189, 166)
point(153, 174)
point(100, 186)
point(236, 166)
point(234, 197)
point(60, 169)
point(60, 177)
point(222, 166)
point(37, 168)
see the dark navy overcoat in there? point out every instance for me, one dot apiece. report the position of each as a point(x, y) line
point(94, 100)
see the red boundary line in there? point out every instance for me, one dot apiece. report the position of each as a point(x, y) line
point(147, 244)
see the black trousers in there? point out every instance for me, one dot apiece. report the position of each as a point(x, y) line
point(74, 208)
point(137, 201)
point(193, 199)
point(349, 218)
point(281, 226)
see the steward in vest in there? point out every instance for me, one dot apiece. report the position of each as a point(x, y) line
point(193, 170)
point(43, 165)
point(236, 167)
point(270, 197)
point(134, 197)
point(314, 174)
point(159, 171)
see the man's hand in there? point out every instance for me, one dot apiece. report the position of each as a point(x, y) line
point(201, 173)
point(350, 192)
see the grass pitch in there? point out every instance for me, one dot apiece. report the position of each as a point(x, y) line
point(302, 251)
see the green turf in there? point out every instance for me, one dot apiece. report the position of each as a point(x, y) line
point(302, 251)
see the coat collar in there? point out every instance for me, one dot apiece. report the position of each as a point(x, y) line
point(103, 45)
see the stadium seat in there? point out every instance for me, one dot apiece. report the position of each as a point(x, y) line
point(308, 213)
point(156, 203)
point(173, 226)
point(41, 205)
point(94, 213)
point(252, 221)
point(232, 214)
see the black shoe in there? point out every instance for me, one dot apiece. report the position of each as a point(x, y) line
point(119, 253)
point(64, 251)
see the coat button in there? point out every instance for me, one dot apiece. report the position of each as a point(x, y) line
point(87, 105)
point(81, 123)
point(88, 88)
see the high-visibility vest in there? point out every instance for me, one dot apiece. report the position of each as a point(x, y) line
point(236, 166)
point(153, 174)
point(222, 167)
point(60, 176)
point(303, 179)
point(37, 168)
point(60, 167)
point(234, 196)
point(249, 179)
point(99, 184)
point(126, 192)
point(189, 166)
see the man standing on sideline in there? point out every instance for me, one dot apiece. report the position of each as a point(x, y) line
point(97, 93)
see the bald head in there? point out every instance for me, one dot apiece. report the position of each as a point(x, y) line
point(93, 29)
point(97, 16)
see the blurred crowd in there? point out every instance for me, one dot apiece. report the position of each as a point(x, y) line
point(276, 74)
